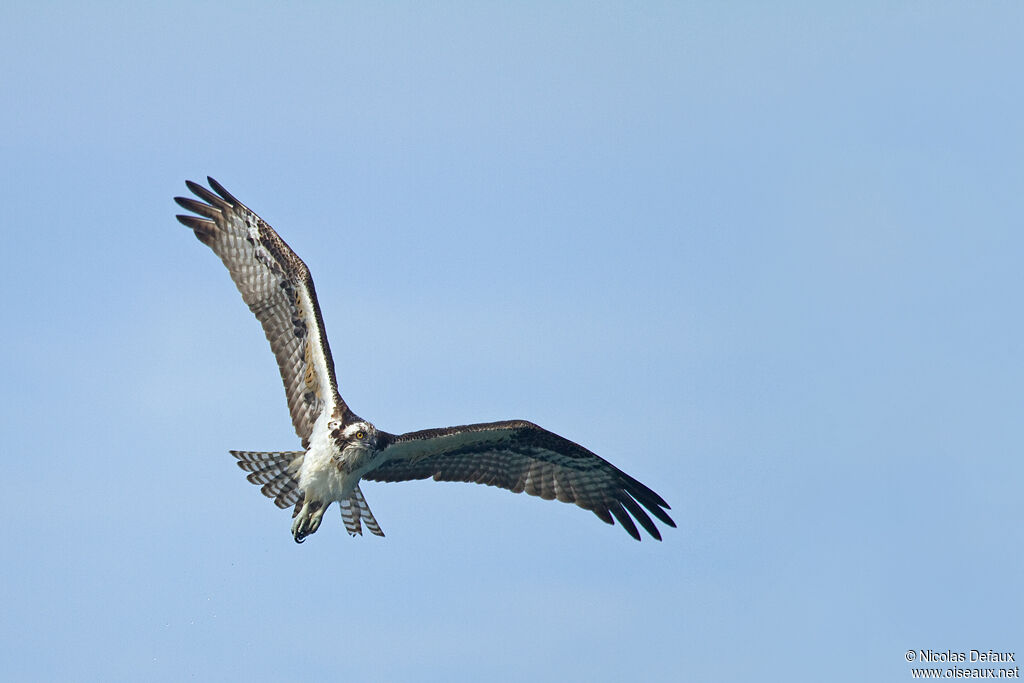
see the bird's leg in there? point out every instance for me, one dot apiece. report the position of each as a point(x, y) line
point(308, 515)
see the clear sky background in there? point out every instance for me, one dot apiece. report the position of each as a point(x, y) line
point(765, 259)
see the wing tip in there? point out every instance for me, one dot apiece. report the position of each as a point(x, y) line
point(203, 228)
point(624, 519)
point(648, 498)
point(618, 511)
point(219, 189)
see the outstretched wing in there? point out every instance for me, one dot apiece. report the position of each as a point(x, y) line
point(520, 456)
point(277, 286)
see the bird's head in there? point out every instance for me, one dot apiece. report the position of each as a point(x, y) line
point(359, 435)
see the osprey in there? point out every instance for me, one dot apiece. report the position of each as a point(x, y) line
point(339, 448)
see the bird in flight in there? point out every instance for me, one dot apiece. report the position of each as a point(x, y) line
point(339, 448)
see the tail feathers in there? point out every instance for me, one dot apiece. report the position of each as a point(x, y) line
point(355, 509)
point(276, 472)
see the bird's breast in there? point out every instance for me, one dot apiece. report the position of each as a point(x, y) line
point(324, 477)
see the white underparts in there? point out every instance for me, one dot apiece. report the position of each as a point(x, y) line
point(320, 477)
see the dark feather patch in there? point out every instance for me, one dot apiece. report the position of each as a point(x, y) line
point(207, 196)
point(198, 207)
point(624, 519)
point(219, 189)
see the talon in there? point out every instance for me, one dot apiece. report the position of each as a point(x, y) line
point(307, 519)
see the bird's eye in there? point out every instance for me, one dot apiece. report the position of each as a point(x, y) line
point(360, 435)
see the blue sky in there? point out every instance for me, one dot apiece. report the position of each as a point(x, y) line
point(765, 259)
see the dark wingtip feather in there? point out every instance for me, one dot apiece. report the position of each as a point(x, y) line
point(202, 227)
point(648, 498)
point(659, 513)
point(219, 189)
point(641, 516)
point(603, 516)
point(624, 519)
point(195, 222)
point(197, 207)
point(207, 196)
